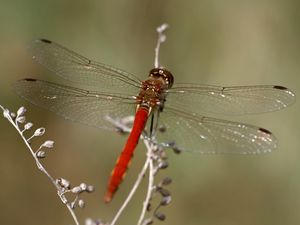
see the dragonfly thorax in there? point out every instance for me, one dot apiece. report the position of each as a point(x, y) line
point(163, 74)
point(153, 92)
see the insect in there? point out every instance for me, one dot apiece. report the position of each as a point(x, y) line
point(175, 113)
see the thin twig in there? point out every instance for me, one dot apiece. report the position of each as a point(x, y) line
point(160, 39)
point(151, 181)
point(40, 166)
point(133, 190)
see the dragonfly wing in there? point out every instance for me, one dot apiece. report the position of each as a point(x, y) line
point(91, 108)
point(204, 99)
point(188, 132)
point(76, 68)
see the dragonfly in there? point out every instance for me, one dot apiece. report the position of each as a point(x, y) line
point(181, 111)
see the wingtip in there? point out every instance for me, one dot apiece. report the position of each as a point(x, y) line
point(265, 131)
point(45, 40)
point(29, 79)
point(280, 87)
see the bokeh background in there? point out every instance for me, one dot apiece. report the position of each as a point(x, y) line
point(209, 41)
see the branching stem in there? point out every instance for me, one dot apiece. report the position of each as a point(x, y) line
point(134, 188)
point(151, 181)
point(40, 166)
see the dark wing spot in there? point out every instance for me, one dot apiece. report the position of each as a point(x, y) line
point(265, 131)
point(280, 87)
point(30, 79)
point(162, 129)
point(46, 41)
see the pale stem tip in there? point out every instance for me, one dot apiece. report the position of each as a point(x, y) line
point(160, 39)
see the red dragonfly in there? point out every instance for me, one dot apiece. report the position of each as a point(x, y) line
point(180, 109)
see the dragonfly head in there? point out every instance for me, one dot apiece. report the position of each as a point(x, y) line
point(161, 73)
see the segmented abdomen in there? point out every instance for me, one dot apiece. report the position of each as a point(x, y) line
point(127, 153)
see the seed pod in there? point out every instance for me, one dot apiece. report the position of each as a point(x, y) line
point(27, 126)
point(39, 132)
point(148, 221)
point(41, 154)
point(76, 190)
point(48, 144)
point(21, 111)
point(163, 165)
point(90, 188)
point(64, 183)
point(160, 216)
point(164, 192)
point(166, 181)
point(81, 203)
point(83, 186)
point(21, 119)
point(166, 200)
point(6, 113)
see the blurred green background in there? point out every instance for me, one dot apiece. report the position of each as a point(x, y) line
point(213, 42)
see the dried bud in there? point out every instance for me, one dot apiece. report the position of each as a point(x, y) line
point(148, 221)
point(83, 186)
point(76, 190)
point(90, 188)
point(21, 111)
point(39, 132)
point(166, 200)
point(90, 221)
point(81, 203)
point(48, 144)
point(21, 119)
point(163, 165)
point(160, 216)
point(63, 182)
point(164, 192)
point(41, 154)
point(155, 148)
point(6, 113)
point(27, 126)
point(176, 150)
point(166, 181)
point(13, 115)
point(163, 155)
point(162, 28)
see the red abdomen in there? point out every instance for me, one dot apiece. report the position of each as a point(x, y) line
point(127, 153)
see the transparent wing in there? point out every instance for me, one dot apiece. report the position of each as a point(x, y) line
point(76, 68)
point(204, 99)
point(76, 104)
point(207, 135)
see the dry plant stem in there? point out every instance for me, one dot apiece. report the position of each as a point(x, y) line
point(151, 181)
point(42, 168)
point(147, 164)
point(2, 108)
point(161, 38)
